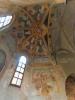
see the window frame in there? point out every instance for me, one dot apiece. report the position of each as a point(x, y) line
point(18, 74)
point(9, 24)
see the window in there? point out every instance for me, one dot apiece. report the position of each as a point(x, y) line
point(5, 21)
point(18, 75)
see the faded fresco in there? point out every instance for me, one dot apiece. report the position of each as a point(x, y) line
point(44, 83)
point(42, 80)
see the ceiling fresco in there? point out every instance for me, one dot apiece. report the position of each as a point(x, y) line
point(31, 30)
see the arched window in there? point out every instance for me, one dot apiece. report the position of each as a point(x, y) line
point(5, 20)
point(18, 75)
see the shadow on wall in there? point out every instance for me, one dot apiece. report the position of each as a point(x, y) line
point(2, 59)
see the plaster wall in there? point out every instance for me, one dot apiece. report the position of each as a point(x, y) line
point(65, 54)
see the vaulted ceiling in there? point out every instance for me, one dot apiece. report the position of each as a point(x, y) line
point(32, 17)
point(31, 29)
point(31, 23)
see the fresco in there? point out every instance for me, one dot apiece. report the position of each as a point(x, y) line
point(44, 83)
point(41, 80)
point(30, 30)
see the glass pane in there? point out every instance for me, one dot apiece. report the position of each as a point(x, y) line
point(22, 70)
point(14, 80)
point(16, 74)
point(20, 75)
point(6, 22)
point(20, 64)
point(3, 19)
point(18, 82)
point(23, 66)
point(9, 18)
point(1, 24)
point(18, 69)
point(23, 59)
